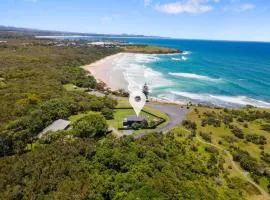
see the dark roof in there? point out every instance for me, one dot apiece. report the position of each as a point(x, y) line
point(135, 118)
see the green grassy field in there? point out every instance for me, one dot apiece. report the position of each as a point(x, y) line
point(121, 114)
point(71, 87)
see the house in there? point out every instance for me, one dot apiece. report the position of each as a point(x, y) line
point(127, 122)
point(57, 125)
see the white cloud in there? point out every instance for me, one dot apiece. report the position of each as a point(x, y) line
point(186, 6)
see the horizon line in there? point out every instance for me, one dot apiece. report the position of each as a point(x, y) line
point(84, 34)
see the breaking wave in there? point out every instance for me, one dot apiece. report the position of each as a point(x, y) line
point(186, 53)
point(136, 73)
point(223, 101)
point(194, 76)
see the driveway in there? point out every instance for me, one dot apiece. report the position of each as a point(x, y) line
point(175, 113)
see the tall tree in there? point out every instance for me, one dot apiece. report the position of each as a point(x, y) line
point(146, 91)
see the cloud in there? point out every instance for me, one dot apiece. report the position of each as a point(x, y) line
point(186, 6)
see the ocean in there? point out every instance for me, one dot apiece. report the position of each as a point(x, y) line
point(220, 73)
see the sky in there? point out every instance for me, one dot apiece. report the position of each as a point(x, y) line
point(247, 20)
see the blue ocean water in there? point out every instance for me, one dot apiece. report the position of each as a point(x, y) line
point(222, 73)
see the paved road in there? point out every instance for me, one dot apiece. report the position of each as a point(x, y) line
point(175, 113)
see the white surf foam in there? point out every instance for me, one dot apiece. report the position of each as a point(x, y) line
point(184, 58)
point(186, 53)
point(145, 58)
point(178, 59)
point(194, 76)
point(220, 100)
point(136, 73)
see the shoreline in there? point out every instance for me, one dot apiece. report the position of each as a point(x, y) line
point(112, 74)
point(104, 71)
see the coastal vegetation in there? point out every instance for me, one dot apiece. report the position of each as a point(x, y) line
point(238, 131)
point(40, 83)
point(149, 49)
point(157, 166)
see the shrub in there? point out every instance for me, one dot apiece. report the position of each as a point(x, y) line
point(256, 139)
point(107, 113)
point(206, 136)
point(211, 149)
point(265, 127)
point(189, 124)
point(238, 132)
point(136, 126)
point(265, 157)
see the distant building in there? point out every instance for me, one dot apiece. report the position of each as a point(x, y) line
point(134, 119)
point(103, 44)
point(57, 125)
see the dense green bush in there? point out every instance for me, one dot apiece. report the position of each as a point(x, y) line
point(207, 137)
point(266, 127)
point(91, 126)
point(189, 125)
point(107, 113)
point(256, 139)
point(153, 167)
point(237, 132)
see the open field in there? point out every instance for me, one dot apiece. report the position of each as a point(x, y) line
point(71, 88)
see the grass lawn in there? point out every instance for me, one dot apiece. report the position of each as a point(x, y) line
point(75, 118)
point(71, 87)
point(124, 103)
point(120, 114)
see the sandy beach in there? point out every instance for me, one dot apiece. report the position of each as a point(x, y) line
point(104, 70)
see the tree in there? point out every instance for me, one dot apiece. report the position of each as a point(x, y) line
point(107, 113)
point(146, 90)
point(90, 126)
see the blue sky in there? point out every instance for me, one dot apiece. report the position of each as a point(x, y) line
point(195, 19)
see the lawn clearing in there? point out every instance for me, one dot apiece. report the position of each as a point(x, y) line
point(70, 87)
point(121, 114)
